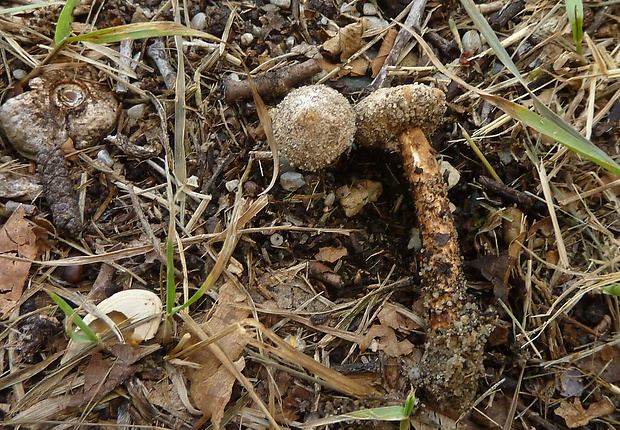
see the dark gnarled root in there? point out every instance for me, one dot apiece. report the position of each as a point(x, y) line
point(452, 363)
point(58, 189)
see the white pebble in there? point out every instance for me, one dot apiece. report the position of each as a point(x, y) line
point(369, 9)
point(19, 74)
point(290, 42)
point(292, 181)
point(374, 22)
point(104, 157)
point(415, 241)
point(471, 41)
point(199, 21)
point(282, 4)
point(329, 199)
point(246, 39)
point(136, 111)
point(449, 173)
point(231, 185)
point(276, 239)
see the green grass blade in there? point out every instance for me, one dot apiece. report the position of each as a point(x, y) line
point(574, 10)
point(26, 7)
point(549, 128)
point(73, 317)
point(614, 290)
point(63, 27)
point(554, 126)
point(141, 30)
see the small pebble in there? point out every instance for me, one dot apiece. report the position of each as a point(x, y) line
point(282, 4)
point(292, 181)
point(19, 74)
point(105, 158)
point(252, 188)
point(471, 41)
point(72, 274)
point(450, 174)
point(11, 205)
point(199, 21)
point(330, 199)
point(285, 166)
point(246, 39)
point(136, 111)
point(374, 22)
point(276, 239)
point(369, 9)
point(415, 241)
point(290, 42)
point(231, 185)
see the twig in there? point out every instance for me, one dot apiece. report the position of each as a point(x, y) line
point(272, 83)
point(413, 21)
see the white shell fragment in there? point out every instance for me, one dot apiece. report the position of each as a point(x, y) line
point(127, 308)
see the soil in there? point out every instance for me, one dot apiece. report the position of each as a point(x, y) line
point(313, 313)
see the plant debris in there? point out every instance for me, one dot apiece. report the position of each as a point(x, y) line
point(494, 301)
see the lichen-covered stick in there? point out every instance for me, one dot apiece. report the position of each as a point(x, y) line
point(401, 118)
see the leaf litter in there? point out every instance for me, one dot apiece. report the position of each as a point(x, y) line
point(328, 321)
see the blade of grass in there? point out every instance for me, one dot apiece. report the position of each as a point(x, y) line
point(574, 10)
point(27, 7)
point(63, 27)
point(140, 30)
point(73, 317)
point(170, 284)
point(538, 123)
point(556, 127)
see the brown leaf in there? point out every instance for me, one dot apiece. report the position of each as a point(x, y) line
point(211, 384)
point(331, 254)
point(384, 50)
point(388, 342)
point(576, 416)
point(102, 375)
point(18, 238)
point(347, 42)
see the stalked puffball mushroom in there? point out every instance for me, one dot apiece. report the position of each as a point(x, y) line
point(313, 126)
point(400, 118)
point(64, 108)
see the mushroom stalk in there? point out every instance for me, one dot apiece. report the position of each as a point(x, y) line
point(400, 118)
point(452, 362)
point(443, 279)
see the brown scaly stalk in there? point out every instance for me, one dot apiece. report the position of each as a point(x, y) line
point(400, 118)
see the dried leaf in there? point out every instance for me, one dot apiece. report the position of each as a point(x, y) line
point(347, 42)
point(102, 375)
point(576, 416)
point(388, 342)
point(384, 50)
point(18, 238)
point(331, 254)
point(211, 384)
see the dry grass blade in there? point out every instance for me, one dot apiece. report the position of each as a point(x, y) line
point(290, 354)
point(227, 362)
point(549, 123)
